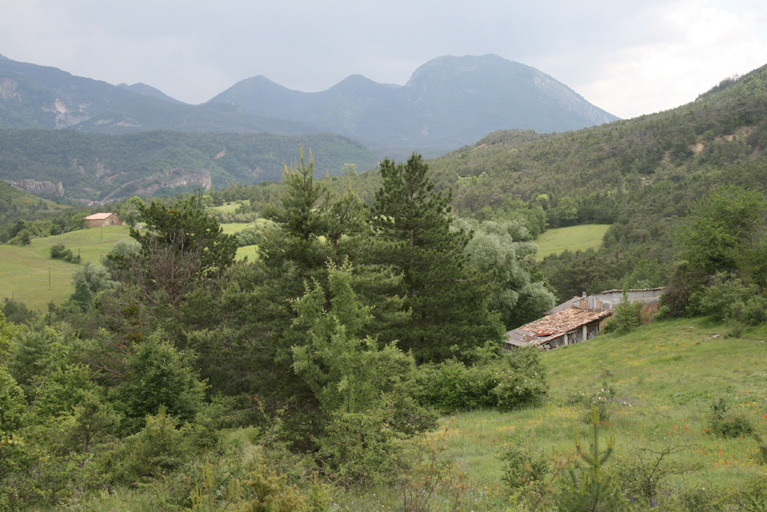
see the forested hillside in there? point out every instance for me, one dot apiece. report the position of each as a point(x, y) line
point(105, 168)
point(642, 175)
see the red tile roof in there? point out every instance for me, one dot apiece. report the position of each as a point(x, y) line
point(552, 326)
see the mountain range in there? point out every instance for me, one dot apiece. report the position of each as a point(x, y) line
point(448, 102)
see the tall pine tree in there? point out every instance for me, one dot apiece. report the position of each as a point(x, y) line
point(447, 298)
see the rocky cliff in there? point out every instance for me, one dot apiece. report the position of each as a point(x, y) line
point(39, 188)
point(172, 178)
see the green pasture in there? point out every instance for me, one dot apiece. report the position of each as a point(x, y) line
point(24, 271)
point(230, 228)
point(665, 376)
point(225, 208)
point(573, 238)
point(29, 274)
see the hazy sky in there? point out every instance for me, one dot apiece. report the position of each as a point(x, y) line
point(629, 57)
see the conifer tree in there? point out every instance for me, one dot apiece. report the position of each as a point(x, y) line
point(447, 298)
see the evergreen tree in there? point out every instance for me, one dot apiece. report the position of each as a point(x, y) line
point(186, 228)
point(447, 298)
point(179, 245)
point(82, 296)
point(298, 246)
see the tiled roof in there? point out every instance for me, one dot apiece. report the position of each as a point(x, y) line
point(98, 216)
point(565, 305)
point(553, 326)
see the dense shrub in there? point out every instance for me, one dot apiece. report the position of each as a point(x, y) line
point(724, 292)
point(17, 311)
point(151, 453)
point(502, 380)
point(523, 465)
point(728, 424)
point(23, 238)
point(59, 252)
point(159, 376)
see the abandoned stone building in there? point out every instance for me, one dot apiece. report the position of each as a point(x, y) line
point(578, 319)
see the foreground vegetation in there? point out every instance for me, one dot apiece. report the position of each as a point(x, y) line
point(177, 379)
point(657, 390)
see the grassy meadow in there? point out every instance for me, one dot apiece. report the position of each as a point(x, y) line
point(24, 271)
point(573, 238)
point(665, 377)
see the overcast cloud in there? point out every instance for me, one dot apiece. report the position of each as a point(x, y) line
point(627, 57)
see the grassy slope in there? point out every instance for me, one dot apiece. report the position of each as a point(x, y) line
point(573, 238)
point(24, 270)
point(665, 374)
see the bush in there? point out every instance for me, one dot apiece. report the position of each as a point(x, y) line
point(627, 315)
point(726, 424)
point(522, 466)
point(359, 448)
point(151, 453)
point(159, 375)
point(16, 311)
point(56, 251)
point(59, 252)
point(753, 311)
point(23, 238)
point(724, 298)
point(501, 380)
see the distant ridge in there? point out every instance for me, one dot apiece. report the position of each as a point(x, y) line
point(33, 96)
point(148, 90)
point(447, 103)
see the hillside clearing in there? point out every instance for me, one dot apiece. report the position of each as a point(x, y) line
point(24, 271)
point(573, 238)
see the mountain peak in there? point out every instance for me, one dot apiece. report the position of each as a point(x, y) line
point(512, 90)
point(148, 90)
